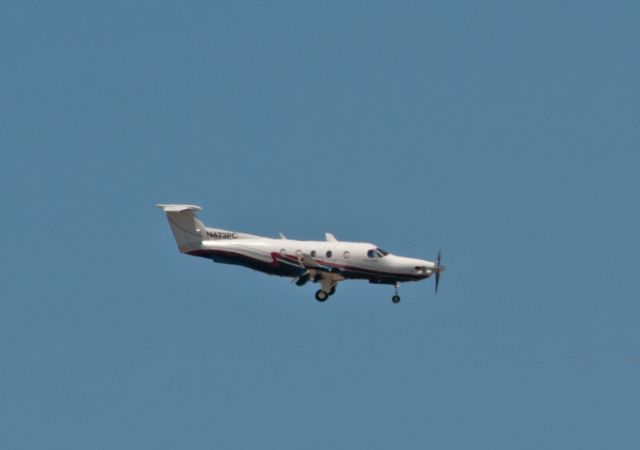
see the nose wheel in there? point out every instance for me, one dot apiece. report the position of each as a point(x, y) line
point(396, 297)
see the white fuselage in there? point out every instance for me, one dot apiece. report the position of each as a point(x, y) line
point(349, 260)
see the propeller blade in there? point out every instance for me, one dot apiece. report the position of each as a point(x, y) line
point(438, 269)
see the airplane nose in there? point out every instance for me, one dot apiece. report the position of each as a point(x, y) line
point(421, 269)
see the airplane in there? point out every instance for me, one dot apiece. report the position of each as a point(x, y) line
point(326, 262)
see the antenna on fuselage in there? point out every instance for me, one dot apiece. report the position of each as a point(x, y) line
point(330, 237)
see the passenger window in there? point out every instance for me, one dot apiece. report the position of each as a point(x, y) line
point(329, 253)
point(313, 253)
point(283, 252)
point(347, 254)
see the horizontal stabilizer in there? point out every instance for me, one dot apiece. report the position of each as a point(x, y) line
point(179, 208)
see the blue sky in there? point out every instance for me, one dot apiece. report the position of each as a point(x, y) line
point(504, 133)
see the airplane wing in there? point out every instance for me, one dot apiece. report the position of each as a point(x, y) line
point(328, 276)
point(309, 263)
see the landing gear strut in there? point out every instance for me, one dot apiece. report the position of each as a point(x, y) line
point(327, 288)
point(396, 297)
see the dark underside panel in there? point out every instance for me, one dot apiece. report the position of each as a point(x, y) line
point(236, 259)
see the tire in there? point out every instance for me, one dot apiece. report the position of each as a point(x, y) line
point(395, 299)
point(321, 295)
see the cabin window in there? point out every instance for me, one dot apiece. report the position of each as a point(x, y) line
point(346, 254)
point(313, 253)
point(329, 253)
point(283, 252)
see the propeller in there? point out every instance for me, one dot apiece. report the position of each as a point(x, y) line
point(438, 269)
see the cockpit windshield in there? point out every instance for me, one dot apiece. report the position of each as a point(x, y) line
point(376, 253)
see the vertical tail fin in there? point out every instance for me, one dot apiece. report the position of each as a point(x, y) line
point(188, 230)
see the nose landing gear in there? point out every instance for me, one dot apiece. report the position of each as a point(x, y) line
point(396, 297)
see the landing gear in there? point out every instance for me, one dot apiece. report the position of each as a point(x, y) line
point(302, 279)
point(396, 297)
point(322, 295)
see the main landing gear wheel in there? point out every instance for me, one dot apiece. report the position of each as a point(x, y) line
point(321, 295)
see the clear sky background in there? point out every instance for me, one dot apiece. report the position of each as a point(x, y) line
point(505, 133)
